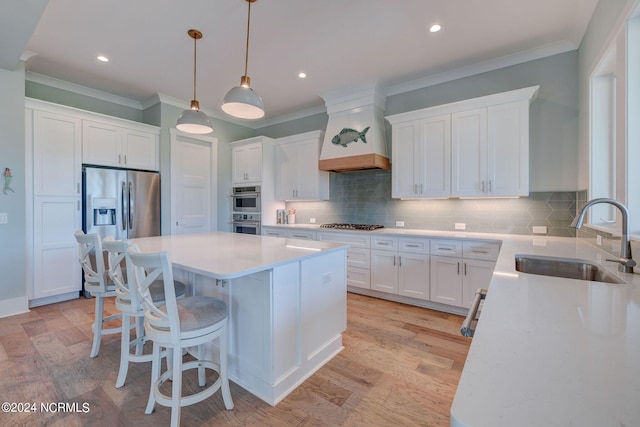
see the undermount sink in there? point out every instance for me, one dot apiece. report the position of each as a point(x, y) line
point(570, 268)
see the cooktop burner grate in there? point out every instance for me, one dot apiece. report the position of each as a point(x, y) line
point(366, 227)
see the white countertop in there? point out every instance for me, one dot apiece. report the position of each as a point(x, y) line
point(227, 255)
point(550, 351)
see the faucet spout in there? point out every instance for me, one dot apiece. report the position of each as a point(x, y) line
point(626, 261)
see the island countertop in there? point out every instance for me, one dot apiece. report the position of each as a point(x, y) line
point(223, 255)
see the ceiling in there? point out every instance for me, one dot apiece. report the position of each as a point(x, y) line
point(338, 43)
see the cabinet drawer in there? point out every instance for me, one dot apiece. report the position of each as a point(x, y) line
point(446, 248)
point(359, 277)
point(273, 232)
point(384, 243)
point(358, 257)
point(416, 245)
point(302, 234)
point(354, 239)
point(481, 250)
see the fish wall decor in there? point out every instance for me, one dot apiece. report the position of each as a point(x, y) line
point(348, 135)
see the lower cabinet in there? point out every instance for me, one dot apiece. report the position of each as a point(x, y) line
point(459, 269)
point(397, 271)
point(55, 251)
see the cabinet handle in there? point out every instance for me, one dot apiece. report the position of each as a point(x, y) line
point(479, 251)
point(465, 268)
point(119, 158)
point(400, 260)
point(125, 159)
point(458, 269)
point(415, 188)
point(383, 243)
point(394, 260)
point(444, 249)
point(413, 246)
point(78, 188)
point(489, 186)
point(78, 205)
point(482, 187)
point(420, 188)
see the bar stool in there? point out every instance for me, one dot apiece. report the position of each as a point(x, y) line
point(91, 258)
point(129, 304)
point(190, 322)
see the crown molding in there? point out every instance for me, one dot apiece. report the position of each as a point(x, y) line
point(482, 67)
point(81, 90)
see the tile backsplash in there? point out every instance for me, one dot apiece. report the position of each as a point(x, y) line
point(365, 197)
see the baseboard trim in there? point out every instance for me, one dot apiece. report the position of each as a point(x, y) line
point(13, 306)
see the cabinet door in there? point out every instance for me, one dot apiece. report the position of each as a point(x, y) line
point(384, 271)
point(56, 265)
point(57, 162)
point(413, 275)
point(405, 148)
point(286, 176)
point(433, 168)
point(101, 144)
point(141, 150)
point(477, 274)
point(446, 280)
point(247, 163)
point(469, 153)
point(508, 149)
point(307, 175)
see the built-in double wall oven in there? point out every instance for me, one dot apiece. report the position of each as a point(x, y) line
point(246, 209)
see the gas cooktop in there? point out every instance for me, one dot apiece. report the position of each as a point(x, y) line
point(366, 227)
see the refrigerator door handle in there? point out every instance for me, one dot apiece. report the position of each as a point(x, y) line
point(122, 206)
point(131, 198)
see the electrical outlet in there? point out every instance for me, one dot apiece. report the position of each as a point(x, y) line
point(460, 226)
point(4, 218)
point(399, 223)
point(539, 229)
point(599, 240)
point(312, 220)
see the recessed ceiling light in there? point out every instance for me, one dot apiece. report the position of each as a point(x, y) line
point(102, 58)
point(435, 28)
point(302, 75)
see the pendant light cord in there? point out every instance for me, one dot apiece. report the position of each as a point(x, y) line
point(246, 57)
point(195, 40)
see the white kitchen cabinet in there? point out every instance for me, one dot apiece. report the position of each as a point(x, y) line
point(358, 255)
point(297, 173)
point(459, 269)
point(56, 267)
point(490, 151)
point(246, 163)
point(421, 156)
point(112, 144)
point(472, 148)
point(56, 145)
point(301, 234)
point(400, 272)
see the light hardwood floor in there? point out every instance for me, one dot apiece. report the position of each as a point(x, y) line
point(400, 367)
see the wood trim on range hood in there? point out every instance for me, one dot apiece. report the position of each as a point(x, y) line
point(354, 163)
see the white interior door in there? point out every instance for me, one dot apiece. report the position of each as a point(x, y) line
point(192, 184)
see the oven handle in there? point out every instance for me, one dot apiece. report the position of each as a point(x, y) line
point(245, 195)
point(466, 330)
point(246, 222)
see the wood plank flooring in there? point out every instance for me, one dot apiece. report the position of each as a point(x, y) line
point(400, 367)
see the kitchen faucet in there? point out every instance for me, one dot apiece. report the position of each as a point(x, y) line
point(625, 260)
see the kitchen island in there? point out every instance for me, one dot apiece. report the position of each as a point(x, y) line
point(286, 298)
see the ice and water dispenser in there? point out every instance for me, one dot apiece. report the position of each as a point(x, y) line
point(104, 211)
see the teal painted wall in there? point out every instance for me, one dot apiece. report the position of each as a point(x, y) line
point(12, 155)
point(83, 102)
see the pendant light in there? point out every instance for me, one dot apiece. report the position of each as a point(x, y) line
point(242, 101)
point(193, 120)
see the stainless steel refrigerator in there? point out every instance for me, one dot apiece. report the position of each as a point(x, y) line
point(120, 203)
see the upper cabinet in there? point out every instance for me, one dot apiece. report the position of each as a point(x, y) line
point(112, 144)
point(56, 145)
point(297, 174)
point(247, 160)
point(473, 148)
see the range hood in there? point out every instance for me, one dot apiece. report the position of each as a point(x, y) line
point(355, 136)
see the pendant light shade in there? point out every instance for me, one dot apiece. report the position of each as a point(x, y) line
point(241, 101)
point(193, 120)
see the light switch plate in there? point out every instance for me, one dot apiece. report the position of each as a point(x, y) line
point(539, 229)
point(460, 226)
point(312, 220)
point(4, 218)
point(399, 223)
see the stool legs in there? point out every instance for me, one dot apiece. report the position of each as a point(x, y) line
point(176, 388)
point(124, 351)
point(226, 391)
point(155, 375)
point(97, 326)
